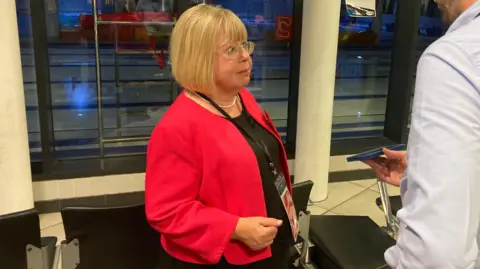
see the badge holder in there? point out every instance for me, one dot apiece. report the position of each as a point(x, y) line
point(392, 222)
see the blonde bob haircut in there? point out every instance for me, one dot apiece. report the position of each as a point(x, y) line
point(195, 40)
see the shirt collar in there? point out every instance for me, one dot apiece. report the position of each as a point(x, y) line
point(466, 17)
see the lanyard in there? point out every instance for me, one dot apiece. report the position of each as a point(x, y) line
point(260, 144)
point(280, 182)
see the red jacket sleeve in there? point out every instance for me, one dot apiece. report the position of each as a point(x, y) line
point(172, 184)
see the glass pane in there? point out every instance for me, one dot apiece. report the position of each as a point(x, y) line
point(135, 76)
point(132, 63)
point(29, 81)
point(363, 66)
point(269, 25)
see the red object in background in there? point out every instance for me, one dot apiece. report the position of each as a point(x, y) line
point(126, 32)
point(283, 27)
point(160, 57)
point(364, 38)
point(87, 20)
point(259, 18)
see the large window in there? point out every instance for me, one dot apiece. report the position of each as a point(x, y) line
point(363, 67)
point(271, 59)
point(134, 75)
point(376, 69)
point(134, 80)
point(88, 118)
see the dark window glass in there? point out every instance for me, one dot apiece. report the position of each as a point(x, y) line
point(135, 82)
point(363, 67)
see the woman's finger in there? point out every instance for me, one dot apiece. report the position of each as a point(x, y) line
point(262, 246)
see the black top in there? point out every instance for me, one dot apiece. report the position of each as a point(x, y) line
point(284, 239)
point(273, 202)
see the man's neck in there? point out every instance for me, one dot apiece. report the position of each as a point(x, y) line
point(465, 4)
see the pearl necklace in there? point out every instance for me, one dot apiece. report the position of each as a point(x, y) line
point(206, 101)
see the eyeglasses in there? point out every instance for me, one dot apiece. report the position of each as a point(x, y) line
point(233, 51)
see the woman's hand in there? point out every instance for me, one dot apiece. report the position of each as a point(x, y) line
point(256, 232)
point(391, 167)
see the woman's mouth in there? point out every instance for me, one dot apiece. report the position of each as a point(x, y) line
point(244, 72)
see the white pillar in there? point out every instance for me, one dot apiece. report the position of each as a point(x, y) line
point(317, 85)
point(15, 176)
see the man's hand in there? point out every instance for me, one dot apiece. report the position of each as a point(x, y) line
point(391, 167)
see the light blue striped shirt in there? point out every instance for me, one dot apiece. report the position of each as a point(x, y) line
point(441, 193)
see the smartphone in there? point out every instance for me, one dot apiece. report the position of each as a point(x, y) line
point(374, 153)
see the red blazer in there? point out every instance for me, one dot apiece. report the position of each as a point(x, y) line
point(202, 175)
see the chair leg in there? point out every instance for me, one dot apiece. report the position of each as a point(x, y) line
point(49, 255)
point(392, 222)
point(71, 254)
point(56, 258)
point(305, 248)
point(36, 258)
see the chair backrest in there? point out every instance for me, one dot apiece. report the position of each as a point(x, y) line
point(113, 237)
point(17, 230)
point(301, 195)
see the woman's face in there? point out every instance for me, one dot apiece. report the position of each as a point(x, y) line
point(233, 65)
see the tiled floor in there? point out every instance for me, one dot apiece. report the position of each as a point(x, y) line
point(344, 198)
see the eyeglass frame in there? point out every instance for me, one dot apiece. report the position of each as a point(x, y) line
point(248, 46)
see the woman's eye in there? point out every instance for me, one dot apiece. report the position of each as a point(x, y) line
point(231, 50)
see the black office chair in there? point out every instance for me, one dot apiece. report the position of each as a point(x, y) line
point(111, 237)
point(21, 245)
point(338, 242)
point(348, 242)
point(301, 195)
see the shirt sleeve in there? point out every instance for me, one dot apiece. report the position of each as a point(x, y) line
point(439, 220)
point(172, 184)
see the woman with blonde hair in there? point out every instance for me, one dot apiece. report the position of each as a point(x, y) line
point(217, 171)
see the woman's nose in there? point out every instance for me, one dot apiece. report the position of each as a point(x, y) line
point(244, 56)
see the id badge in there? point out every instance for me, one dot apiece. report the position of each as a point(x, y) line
point(285, 195)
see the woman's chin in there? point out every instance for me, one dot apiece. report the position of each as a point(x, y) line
point(245, 81)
